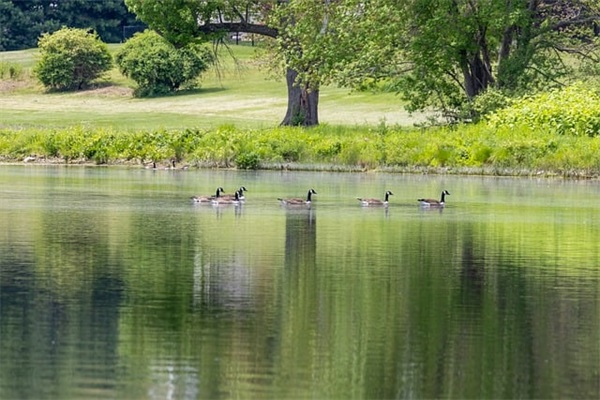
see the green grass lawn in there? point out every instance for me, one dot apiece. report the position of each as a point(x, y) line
point(239, 93)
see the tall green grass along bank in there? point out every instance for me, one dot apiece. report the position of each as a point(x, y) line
point(472, 149)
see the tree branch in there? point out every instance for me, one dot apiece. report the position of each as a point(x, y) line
point(581, 21)
point(239, 14)
point(245, 27)
point(570, 50)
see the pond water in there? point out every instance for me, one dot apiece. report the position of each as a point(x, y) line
point(113, 284)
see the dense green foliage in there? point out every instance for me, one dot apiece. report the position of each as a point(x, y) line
point(299, 29)
point(572, 110)
point(157, 66)
point(445, 53)
point(23, 22)
point(438, 54)
point(71, 59)
point(460, 149)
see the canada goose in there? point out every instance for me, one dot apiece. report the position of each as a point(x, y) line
point(219, 201)
point(375, 202)
point(207, 199)
point(433, 202)
point(166, 167)
point(239, 193)
point(179, 168)
point(298, 201)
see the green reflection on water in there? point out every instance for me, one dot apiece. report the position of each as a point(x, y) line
point(114, 285)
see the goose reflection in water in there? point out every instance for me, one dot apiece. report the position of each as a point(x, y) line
point(300, 239)
point(226, 208)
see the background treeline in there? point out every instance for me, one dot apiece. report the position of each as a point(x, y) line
point(22, 22)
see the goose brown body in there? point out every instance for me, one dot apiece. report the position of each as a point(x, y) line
point(218, 201)
point(433, 202)
point(239, 193)
point(375, 202)
point(298, 201)
point(207, 199)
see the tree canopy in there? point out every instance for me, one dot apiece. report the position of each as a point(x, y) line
point(296, 27)
point(444, 53)
point(22, 22)
point(437, 54)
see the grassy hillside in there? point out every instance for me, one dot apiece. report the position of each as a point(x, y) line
point(237, 93)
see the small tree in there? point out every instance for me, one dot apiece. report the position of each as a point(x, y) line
point(157, 66)
point(71, 59)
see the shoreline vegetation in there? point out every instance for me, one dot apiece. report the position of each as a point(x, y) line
point(462, 150)
point(229, 122)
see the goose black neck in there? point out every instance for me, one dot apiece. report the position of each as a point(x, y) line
point(443, 197)
point(387, 196)
point(309, 196)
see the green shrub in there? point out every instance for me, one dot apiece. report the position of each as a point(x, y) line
point(573, 110)
point(71, 59)
point(404, 149)
point(328, 148)
point(217, 146)
point(489, 101)
point(481, 153)
point(249, 160)
point(360, 151)
point(285, 144)
point(157, 66)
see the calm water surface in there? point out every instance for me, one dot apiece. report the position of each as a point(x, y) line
point(114, 285)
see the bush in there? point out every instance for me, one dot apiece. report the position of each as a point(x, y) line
point(573, 110)
point(71, 59)
point(249, 160)
point(157, 66)
point(488, 102)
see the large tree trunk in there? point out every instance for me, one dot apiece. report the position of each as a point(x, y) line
point(477, 66)
point(303, 102)
point(477, 75)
